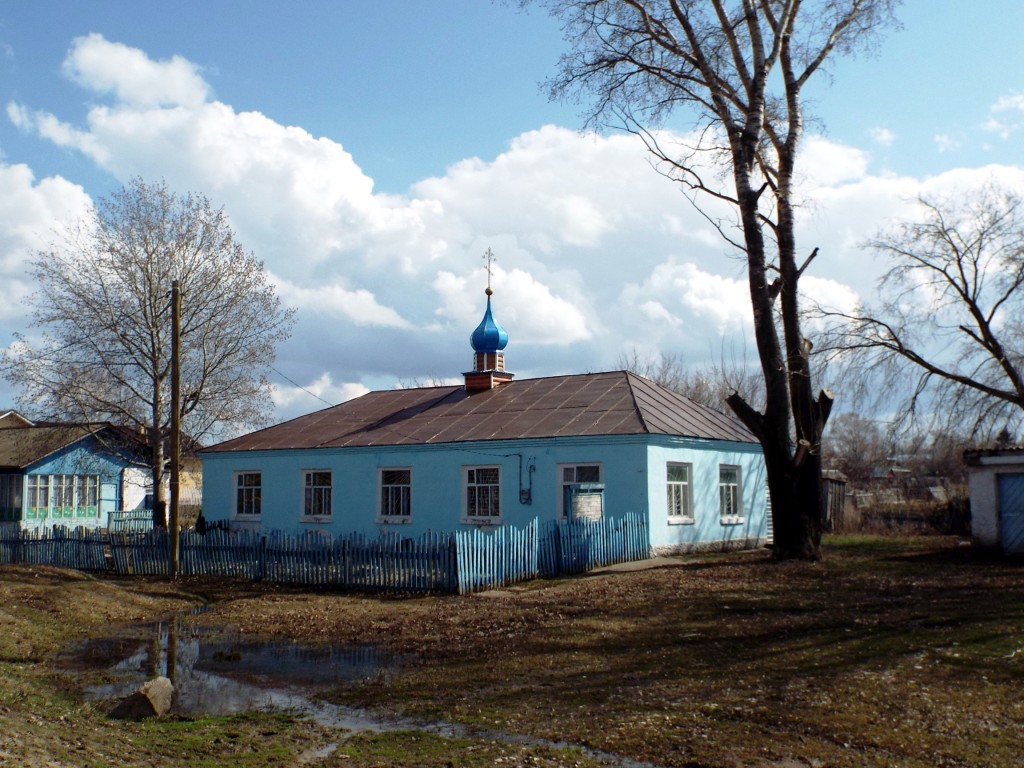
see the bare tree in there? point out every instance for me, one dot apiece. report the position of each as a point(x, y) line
point(708, 385)
point(856, 446)
point(740, 67)
point(951, 316)
point(103, 306)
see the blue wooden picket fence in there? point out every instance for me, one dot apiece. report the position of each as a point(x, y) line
point(579, 546)
point(352, 562)
point(221, 553)
point(141, 554)
point(461, 562)
point(130, 520)
point(79, 548)
point(496, 558)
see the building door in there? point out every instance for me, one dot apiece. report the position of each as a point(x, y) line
point(1011, 513)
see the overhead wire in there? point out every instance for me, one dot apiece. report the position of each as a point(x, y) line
point(299, 386)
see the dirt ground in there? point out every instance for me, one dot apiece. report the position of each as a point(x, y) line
point(891, 652)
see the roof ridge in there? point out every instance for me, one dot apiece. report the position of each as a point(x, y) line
point(632, 393)
point(703, 412)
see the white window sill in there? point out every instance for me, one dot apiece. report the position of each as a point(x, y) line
point(732, 520)
point(316, 520)
point(681, 521)
point(481, 521)
point(404, 520)
point(245, 524)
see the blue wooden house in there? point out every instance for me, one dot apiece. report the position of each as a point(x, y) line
point(66, 474)
point(494, 451)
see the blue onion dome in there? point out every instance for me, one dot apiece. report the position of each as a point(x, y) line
point(488, 336)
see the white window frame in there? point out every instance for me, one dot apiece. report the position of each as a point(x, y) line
point(469, 472)
point(730, 494)
point(681, 490)
point(62, 496)
point(562, 482)
point(87, 495)
point(307, 488)
point(238, 494)
point(389, 491)
point(66, 497)
point(38, 504)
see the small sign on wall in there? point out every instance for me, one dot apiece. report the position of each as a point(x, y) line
point(587, 501)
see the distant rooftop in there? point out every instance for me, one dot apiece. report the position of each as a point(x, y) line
point(21, 446)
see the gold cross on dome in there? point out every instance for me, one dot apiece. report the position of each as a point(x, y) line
point(491, 258)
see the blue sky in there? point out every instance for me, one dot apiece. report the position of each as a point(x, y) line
point(409, 87)
point(370, 152)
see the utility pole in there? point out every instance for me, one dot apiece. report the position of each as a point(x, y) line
point(175, 446)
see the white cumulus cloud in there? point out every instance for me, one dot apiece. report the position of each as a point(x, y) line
point(827, 163)
point(33, 214)
point(131, 76)
point(596, 251)
point(1006, 116)
point(359, 306)
point(526, 308)
point(946, 142)
point(882, 136)
point(681, 306)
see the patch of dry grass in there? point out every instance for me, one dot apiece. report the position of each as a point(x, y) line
point(44, 608)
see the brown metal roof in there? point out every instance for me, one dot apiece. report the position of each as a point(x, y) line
point(615, 403)
point(22, 446)
point(13, 419)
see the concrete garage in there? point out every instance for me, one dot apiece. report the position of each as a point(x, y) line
point(996, 486)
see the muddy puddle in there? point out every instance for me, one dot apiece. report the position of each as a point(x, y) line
point(218, 673)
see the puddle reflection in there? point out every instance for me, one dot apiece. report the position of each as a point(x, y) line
point(220, 674)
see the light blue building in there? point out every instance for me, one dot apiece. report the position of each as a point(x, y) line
point(65, 474)
point(493, 452)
